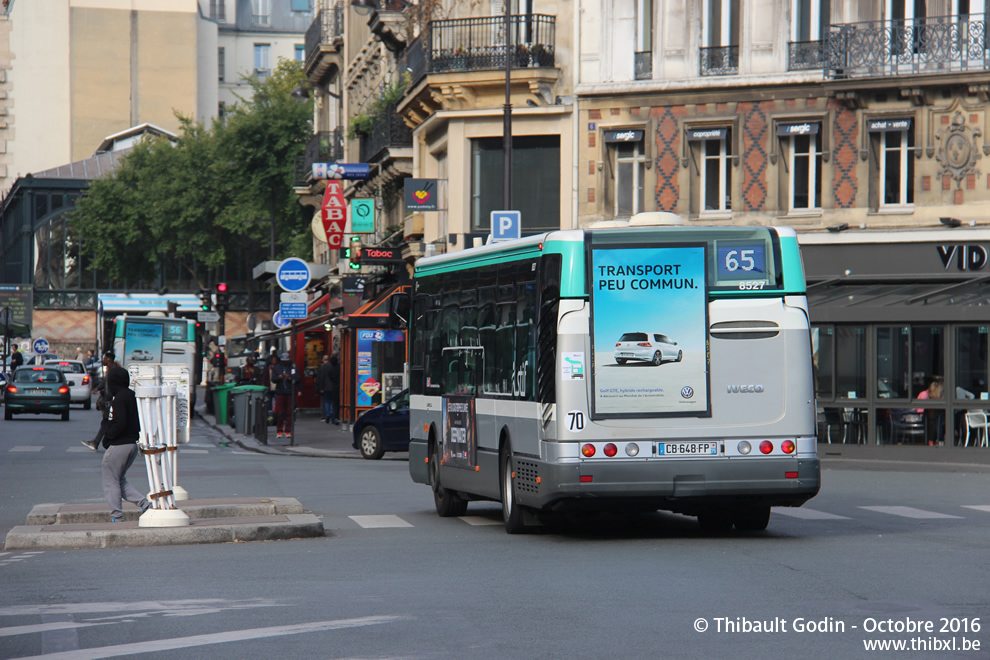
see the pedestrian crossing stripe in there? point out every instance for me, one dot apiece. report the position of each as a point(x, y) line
point(377, 522)
point(908, 512)
point(478, 521)
point(804, 513)
point(25, 448)
point(978, 507)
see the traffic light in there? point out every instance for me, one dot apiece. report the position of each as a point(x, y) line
point(222, 297)
point(355, 253)
point(205, 303)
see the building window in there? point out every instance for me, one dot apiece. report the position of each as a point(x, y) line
point(720, 30)
point(261, 12)
point(627, 172)
point(300, 51)
point(535, 181)
point(811, 21)
point(221, 109)
point(644, 40)
point(715, 171)
point(262, 59)
point(218, 10)
point(221, 64)
point(802, 175)
point(891, 162)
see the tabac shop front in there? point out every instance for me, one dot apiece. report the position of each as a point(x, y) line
point(900, 332)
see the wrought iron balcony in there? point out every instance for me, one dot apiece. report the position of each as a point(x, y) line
point(805, 55)
point(323, 147)
point(326, 28)
point(720, 60)
point(643, 62)
point(474, 44)
point(910, 46)
point(389, 131)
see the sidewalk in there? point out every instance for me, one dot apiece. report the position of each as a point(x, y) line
point(313, 437)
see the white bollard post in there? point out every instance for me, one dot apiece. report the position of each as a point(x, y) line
point(169, 405)
point(155, 451)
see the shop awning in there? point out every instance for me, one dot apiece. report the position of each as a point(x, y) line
point(375, 312)
point(841, 301)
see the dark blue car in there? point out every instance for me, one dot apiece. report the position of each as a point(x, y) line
point(383, 428)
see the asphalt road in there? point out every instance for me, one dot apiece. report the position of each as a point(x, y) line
point(392, 580)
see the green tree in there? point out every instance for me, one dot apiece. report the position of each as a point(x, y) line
point(208, 196)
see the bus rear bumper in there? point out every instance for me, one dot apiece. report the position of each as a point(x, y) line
point(681, 485)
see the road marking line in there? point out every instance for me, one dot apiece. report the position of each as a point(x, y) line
point(479, 520)
point(192, 451)
point(375, 522)
point(44, 627)
point(804, 513)
point(908, 512)
point(978, 507)
point(27, 448)
point(155, 646)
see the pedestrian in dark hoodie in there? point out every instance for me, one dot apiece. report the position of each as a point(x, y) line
point(120, 441)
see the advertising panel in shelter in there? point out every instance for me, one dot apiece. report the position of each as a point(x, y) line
point(649, 331)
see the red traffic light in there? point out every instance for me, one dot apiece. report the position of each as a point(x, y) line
point(222, 287)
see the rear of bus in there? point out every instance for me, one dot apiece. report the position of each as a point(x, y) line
point(711, 410)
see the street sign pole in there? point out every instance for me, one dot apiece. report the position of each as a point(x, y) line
point(292, 408)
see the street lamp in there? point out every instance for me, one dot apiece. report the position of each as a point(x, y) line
point(302, 92)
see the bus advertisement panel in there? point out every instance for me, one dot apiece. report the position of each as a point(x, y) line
point(143, 342)
point(649, 331)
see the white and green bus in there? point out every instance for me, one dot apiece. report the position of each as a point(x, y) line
point(642, 367)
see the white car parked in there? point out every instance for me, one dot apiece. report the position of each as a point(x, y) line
point(647, 347)
point(80, 384)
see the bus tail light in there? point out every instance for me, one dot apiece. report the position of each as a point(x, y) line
point(744, 447)
point(632, 449)
point(766, 446)
point(790, 475)
point(585, 478)
point(610, 450)
point(787, 446)
point(588, 450)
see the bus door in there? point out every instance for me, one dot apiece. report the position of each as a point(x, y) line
point(462, 371)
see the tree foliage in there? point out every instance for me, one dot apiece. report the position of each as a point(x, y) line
point(203, 199)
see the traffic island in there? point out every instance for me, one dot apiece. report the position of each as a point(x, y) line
point(220, 520)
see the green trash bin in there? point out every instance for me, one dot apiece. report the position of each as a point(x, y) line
point(240, 397)
point(220, 395)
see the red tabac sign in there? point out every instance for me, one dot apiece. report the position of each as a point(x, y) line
point(333, 212)
point(381, 255)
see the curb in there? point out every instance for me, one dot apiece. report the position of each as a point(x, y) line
point(74, 514)
point(130, 535)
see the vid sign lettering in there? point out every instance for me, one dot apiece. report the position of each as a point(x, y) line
point(649, 331)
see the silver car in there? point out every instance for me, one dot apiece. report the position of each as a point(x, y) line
point(650, 347)
point(80, 383)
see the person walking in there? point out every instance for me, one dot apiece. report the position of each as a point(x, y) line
point(328, 387)
point(103, 400)
point(285, 376)
point(79, 354)
point(120, 440)
point(16, 359)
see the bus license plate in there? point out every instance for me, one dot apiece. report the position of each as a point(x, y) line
point(687, 449)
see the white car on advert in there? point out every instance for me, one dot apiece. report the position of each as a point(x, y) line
point(650, 347)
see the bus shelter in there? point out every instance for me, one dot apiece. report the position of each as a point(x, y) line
point(373, 355)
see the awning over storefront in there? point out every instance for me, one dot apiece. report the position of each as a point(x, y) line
point(836, 301)
point(375, 313)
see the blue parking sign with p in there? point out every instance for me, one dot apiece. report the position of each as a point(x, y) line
point(506, 225)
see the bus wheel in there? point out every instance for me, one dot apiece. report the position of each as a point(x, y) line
point(448, 504)
point(753, 520)
point(512, 511)
point(715, 521)
point(657, 359)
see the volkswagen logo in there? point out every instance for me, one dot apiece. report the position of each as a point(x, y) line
point(687, 392)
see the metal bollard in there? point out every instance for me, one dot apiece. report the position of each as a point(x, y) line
point(169, 402)
point(153, 446)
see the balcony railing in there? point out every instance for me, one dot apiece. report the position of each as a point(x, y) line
point(805, 55)
point(325, 28)
point(909, 46)
point(643, 62)
point(389, 131)
point(474, 44)
point(720, 60)
point(323, 147)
